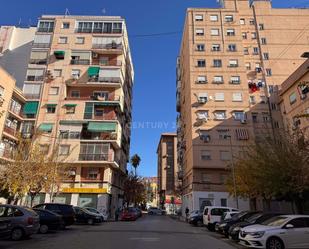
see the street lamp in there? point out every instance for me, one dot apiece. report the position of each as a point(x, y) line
point(233, 169)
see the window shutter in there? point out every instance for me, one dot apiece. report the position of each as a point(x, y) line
point(88, 111)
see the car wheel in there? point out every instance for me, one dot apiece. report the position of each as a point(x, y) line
point(17, 234)
point(43, 229)
point(90, 222)
point(199, 223)
point(274, 243)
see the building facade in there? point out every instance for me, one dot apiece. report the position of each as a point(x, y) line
point(294, 99)
point(79, 88)
point(231, 63)
point(151, 185)
point(168, 183)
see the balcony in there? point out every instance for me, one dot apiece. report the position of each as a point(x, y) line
point(35, 78)
point(80, 62)
point(108, 157)
point(98, 31)
point(99, 136)
point(32, 96)
point(96, 98)
point(107, 46)
point(38, 61)
point(46, 30)
point(114, 63)
point(10, 130)
point(41, 45)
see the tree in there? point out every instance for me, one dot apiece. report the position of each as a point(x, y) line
point(135, 161)
point(277, 167)
point(134, 190)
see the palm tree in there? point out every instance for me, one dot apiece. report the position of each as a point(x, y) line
point(135, 161)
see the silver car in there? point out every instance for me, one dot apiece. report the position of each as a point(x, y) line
point(155, 210)
point(23, 221)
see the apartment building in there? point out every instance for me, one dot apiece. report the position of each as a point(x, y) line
point(11, 117)
point(151, 184)
point(168, 182)
point(79, 86)
point(15, 49)
point(294, 99)
point(231, 63)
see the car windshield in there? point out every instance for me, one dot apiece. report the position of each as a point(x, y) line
point(275, 221)
point(253, 218)
point(239, 215)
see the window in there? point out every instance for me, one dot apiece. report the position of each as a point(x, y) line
point(218, 79)
point(32, 91)
point(220, 115)
point(63, 40)
point(70, 109)
point(219, 96)
point(242, 21)
point(251, 22)
point(57, 72)
point(244, 35)
point(46, 26)
point(246, 51)
point(265, 117)
point(263, 99)
point(266, 56)
point(253, 35)
point(75, 94)
point(65, 25)
point(261, 26)
point(235, 80)
point(263, 41)
point(214, 18)
point(64, 150)
point(255, 51)
point(223, 202)
point(233, 63)
point(252, 99)
point(229, 18)
point(225, 155)
point(80, 40)
point(205, 155)
point(202, 115)
point(75, 73)
point(98, 111)
point(44, 148)
point(199, 18)
point(205, 177)
point(201, 79)
point(202, 97)
point(248, 65)
point(232, 48)
point(53, 91)
point(214, 32)
point(201, 63)
point(254, 117)
point(223, 134)
point(1, 92)
point(199, 32)
point(200, 47)
point(237, 97)
point(268, 72)
point(215, 47)
point(273, 106)
point(292, 98)
point(239, 115)
point(92, 173)
point(217, 63)
point(51, 108)
point(230, 32)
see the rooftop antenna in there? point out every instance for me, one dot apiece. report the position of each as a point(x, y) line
point(67, 12)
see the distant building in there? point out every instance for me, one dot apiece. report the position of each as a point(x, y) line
point(151, 184)
point(168, 183)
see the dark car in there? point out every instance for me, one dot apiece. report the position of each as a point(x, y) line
point(129, 214)
point(65, 210)
point(5, 228)
point(82, 215)
point(196, 219)
point(224, 226)
point(255, 219)
point(49, 220)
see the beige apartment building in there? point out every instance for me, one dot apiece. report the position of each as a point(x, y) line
point(294, 99)
point(11, 119)
point(231, 63)
point(168, 180)
point(79, 86)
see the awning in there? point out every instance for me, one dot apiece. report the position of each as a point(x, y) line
point(106, 103)
point(46, 127)
point(70, 105)
point(59, 53)
point(71, 127)
point(93, 71)
point(51, 105)
point(31, 107)
point(102, 127)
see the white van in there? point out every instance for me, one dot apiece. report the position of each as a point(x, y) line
point(212, 215)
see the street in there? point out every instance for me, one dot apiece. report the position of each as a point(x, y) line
point(149, 232)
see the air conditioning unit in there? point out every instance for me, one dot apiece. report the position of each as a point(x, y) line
point(202, 100)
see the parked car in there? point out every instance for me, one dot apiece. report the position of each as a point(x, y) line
point(5, 228)
point(255, 219)
point(93, 210)
point(65, 210)
point(284, 231)
point(129, 214)
point(228, 215)
point(49, 220)
point(154, 210)
point(23, 221)
point(212, 215)
point(224, 226)
point(196, 218)
point(82, 215)
point(139, 212)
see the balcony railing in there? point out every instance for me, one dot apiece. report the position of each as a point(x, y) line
point(35, 78)
point(10, 130)
point(105, 79)
point(98, 31)
point(98, 98)
point(41, 45)
point(107, 63)
point(80, 62)
point(109, 157)
point(18, 112)
point(107, 46)
point(107, 116)
point(100, 136)
point(31, 96)
point(38, 61)
point(46, 30)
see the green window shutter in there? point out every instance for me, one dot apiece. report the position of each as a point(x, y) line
point(93, 71)
point(46, 127)
point(102, 127)
point(31, 107)
point(70, 105)
point(88, 111)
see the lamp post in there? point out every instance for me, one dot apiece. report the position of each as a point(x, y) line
point(233, 170)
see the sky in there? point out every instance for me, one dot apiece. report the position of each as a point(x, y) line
point(154, 56)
